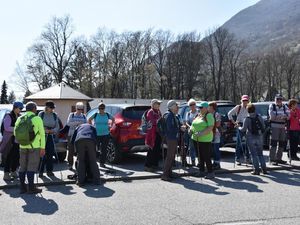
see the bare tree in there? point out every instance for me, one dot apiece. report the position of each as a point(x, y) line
point(54, 49)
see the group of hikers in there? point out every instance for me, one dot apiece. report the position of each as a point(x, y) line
point(28, 143)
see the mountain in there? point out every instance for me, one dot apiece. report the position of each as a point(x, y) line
point(267, 25)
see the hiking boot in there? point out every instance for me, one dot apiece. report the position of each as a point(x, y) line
point(34, 190)
point(264, 171)
point(210, 176)
point(255, 172)
point(7, 177)
point(23, 188)
point(14, 175)
point(238, 162)
point(280, 161)
point(193, 163)
point(79, 184)
point(50, 174)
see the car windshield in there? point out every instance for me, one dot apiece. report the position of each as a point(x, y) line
point(135, 112)
point(224, 109)
point(262, 110)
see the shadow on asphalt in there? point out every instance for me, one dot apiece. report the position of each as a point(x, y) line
point(34, 204)
point(201, 187)
point(98, 191)
point(292, 178)
point(63, 189)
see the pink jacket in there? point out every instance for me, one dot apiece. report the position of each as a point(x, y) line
point(152, 117)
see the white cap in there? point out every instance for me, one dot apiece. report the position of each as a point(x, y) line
point(153, 101)
point(79, 105)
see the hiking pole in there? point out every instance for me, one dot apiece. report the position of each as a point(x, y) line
point(163, 152)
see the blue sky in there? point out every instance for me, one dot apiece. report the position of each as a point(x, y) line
point(22, 21)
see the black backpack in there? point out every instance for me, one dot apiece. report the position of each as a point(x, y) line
point(256, 126)
point(162, 124)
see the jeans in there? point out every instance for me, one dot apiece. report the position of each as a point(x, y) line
point(240, 148)
point(217, 153)
point(256, 149)
point(49, 153)
point(102, 142)
point(294, 141)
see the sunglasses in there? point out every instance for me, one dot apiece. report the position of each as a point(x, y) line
point(101, 108)
point(192, 104)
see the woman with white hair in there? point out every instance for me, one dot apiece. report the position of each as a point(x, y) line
point(188, 120)
point(74, 120)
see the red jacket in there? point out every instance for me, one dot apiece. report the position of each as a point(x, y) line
point(152, 116)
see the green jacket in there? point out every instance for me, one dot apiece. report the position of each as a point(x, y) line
point(38, 127)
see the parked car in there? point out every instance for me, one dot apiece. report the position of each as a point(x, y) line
point(126, 137)
point(61, 141)
point(227, 127)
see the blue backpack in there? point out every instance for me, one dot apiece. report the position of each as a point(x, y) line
point(162, 124)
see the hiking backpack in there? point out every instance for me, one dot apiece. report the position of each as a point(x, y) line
point(24, 132)
point(144, 122)
point(162, 124)
point(256, 126)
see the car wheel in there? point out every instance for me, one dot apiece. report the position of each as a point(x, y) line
point(113, 152)
point(62, 156)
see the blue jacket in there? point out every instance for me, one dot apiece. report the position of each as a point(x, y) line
point(84, 131)
point(173, 126)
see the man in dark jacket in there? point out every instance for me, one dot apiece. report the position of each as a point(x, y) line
point(84, 138)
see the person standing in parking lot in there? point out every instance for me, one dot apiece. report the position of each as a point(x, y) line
point(189, 118)
point(152, 138)
point(74, 120)
point(9, 147)
point(30, 154)
point(101, 121)
point(202, 135)
point(240, 112)
point(172, 129)
point(51, 125)
point(217, 135)
point(294, 128)
point(279, 114)
point(254, 127)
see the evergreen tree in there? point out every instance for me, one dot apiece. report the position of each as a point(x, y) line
point(11, 97)
point(4, 99)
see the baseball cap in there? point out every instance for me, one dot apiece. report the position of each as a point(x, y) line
point(278, 96)
point(50, 104)
point(101, 105)
point(153, 101)
point(18, 105)
point(171, 103)
point(245, 98)
point(203, 105)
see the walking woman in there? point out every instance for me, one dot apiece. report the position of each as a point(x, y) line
point(101, 121)
point(202, 135)
point(294, 128)
point(153, 139)
point(9, 148)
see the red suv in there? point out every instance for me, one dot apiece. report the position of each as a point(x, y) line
point(126, 136)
